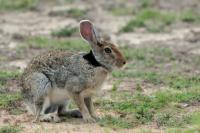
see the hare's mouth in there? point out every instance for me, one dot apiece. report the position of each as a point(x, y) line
point(119, 64)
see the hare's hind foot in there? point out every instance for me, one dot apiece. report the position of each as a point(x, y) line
point(51, 117)
point(63, 110)
point(89, 120)
point(71, 113)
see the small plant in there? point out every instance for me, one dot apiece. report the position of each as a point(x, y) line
point(76, 13)
point(6, 75)
point(195, 118)
point(171, 118)
point(7, 99)
point(17, 4)
point(118, 11)
point(116, 122)
point(9, 129)
point(132, 24)
point(149, 16)
point(67, 31)
point(138, 87)
point(188, 16)
point(146, 3)
point(44, 42)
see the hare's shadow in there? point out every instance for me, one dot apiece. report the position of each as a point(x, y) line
point(72, 116)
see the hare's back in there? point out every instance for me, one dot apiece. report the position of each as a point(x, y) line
point(51, 59)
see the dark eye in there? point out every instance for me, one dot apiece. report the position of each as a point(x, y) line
point(107, 50)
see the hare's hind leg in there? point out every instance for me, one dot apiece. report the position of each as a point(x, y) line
point(40, 90)
point(49, 112)
point(63, 110)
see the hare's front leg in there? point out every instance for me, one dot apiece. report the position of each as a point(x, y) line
point(90, 106)
point(79, 100)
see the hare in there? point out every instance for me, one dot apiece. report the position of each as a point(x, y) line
point(53, 78)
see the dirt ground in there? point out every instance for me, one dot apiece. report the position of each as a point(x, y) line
point(15, 26)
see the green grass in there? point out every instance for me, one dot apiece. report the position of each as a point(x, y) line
point(6, 75)
point(17, 4)
point(135, 109)
point(11, 101)
point(146, 3)
point(151, 77)
point(169, 80)
point(66, 31)
point(195, 118)
point(154, 20)
point(10, 129)
point(147, 54)
point(76, 13)
point(181, 81)
point(72, 12)
point(189, 16)
point(69, 1)
point(148, 64)
point(138, 109)
point(72, 44)
point(172, 118)
point(3, 58)
point(7, 99)
point(150, 18)
point(121, 11)
point(182, 130)
point(115, 122)
point(179, 88)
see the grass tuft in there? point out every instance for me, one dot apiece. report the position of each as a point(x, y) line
point(17, 4)
point(171, 118)
point(117, 11)
point(7, 99)
point(10, 129)
point(148, 18)
point(146, 3)
point(73, 44)
point(76, 13)
point(134, 109)
point(6, 75)
point(195, 118)
point(188, 16)
point(66, 31)
point(115, 122)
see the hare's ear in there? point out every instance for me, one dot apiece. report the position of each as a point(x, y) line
point(88, 32)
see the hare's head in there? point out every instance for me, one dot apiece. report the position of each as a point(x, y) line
point(104, 52)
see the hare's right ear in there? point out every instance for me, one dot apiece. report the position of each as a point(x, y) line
point(88, 32)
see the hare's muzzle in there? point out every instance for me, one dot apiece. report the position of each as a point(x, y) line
point(120, 63)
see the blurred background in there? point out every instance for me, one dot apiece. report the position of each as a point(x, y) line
point(157, 91)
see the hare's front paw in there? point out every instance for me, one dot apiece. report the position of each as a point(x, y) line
point(89, 120)
point(95, 117)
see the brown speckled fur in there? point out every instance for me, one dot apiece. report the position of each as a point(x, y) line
point(52, 58)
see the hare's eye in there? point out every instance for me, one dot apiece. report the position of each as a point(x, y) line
point(107, 50)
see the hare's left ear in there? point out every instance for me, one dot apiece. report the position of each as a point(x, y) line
point(88, 32)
